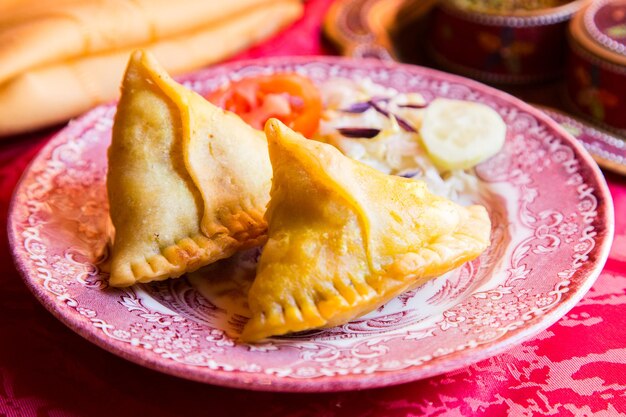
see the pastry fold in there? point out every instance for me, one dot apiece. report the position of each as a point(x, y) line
point(345, 238)
point(187, 181)
point(58, 60)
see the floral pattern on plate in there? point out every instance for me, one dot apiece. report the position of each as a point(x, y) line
point(552, 228)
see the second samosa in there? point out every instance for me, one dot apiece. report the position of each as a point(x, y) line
point(345, 238)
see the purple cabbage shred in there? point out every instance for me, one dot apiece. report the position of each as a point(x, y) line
point(413, 106)
point(358, 132)
point(373, 103)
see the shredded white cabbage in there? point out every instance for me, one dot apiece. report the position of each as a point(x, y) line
point(394, 150)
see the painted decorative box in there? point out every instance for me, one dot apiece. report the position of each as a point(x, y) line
point(502, 41)
point(596, 71)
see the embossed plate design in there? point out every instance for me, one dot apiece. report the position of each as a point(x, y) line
point(608, 150)
point(553, 225)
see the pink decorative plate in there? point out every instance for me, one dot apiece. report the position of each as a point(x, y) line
point(553, 224)
point(608, 150)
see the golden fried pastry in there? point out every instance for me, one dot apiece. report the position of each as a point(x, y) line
point(345, 238)
point(188, 182)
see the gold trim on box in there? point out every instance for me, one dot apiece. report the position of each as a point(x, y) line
point(522, 18)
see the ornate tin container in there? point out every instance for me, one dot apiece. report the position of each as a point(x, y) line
point(596, 72)
point(516, 47)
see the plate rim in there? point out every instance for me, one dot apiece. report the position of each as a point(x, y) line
point(337, 383)
point(605, 163)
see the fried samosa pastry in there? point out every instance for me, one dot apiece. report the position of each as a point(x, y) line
point(345, 238)
point(187, 181)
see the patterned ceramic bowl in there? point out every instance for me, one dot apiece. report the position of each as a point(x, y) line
point(596, 74)
point(521, 47)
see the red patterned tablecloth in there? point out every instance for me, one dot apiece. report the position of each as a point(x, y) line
point(575, 368)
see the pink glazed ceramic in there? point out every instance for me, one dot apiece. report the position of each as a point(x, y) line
point(608, 150)
point(552, 227)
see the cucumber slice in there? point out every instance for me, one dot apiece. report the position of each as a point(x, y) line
point(460, 134)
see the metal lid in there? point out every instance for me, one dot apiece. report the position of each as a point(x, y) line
point(600, 28)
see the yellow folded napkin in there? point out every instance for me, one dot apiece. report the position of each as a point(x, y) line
point(59, 58)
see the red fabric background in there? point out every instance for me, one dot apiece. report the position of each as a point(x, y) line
point(575, 368)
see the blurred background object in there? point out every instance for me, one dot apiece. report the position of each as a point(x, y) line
point(510, 42)
point(596, 71)
point(360, 28)
point(58, 58)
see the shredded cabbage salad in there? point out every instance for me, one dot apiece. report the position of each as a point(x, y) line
point(379, 126)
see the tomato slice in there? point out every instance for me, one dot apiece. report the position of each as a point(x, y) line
point(289, 97)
